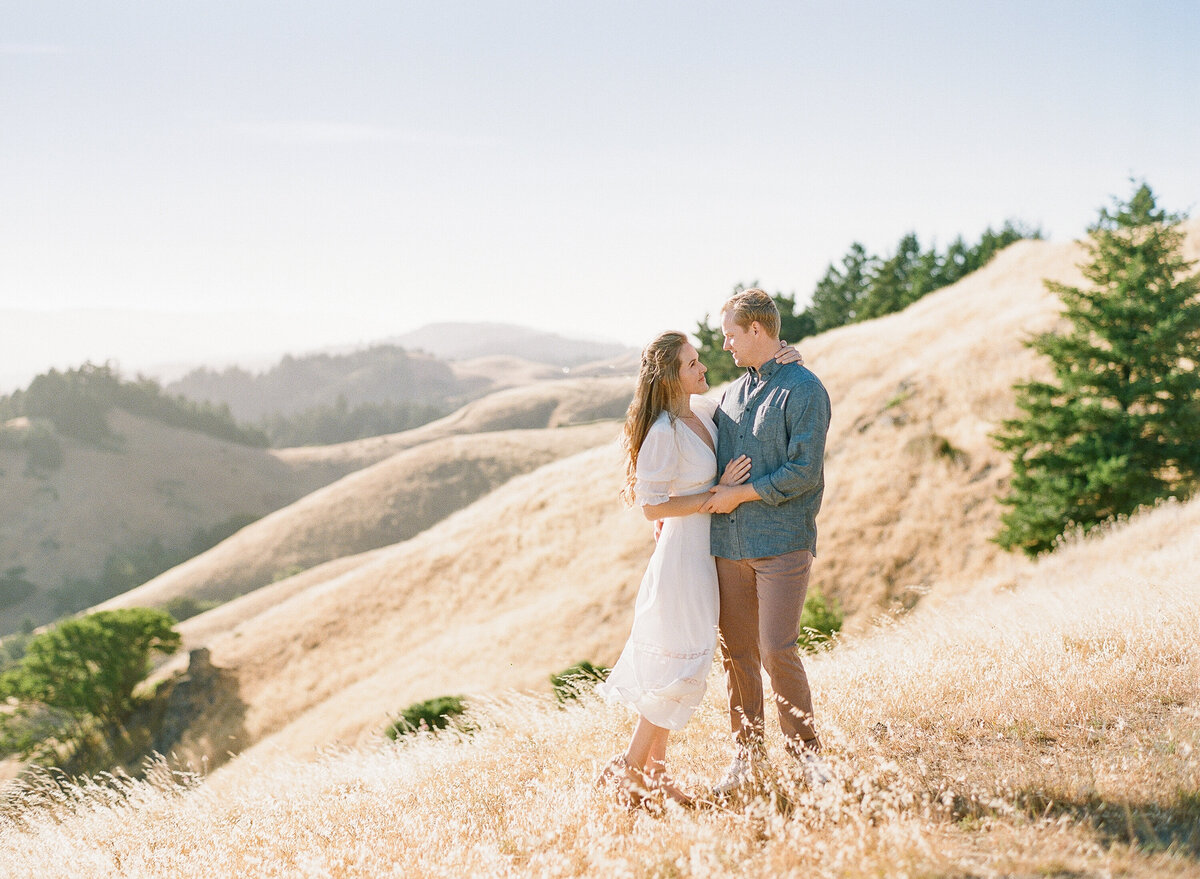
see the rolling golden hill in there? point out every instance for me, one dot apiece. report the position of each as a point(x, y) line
point(557, 403)
point(159, 483)
point(376, 506)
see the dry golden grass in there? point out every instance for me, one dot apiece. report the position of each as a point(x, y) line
point(558, 403)
point(1046, 729)
point(499, 371)
point(377, 506)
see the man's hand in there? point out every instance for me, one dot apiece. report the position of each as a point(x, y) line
point(727, 498)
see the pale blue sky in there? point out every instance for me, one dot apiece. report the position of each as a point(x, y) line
point(601, 169)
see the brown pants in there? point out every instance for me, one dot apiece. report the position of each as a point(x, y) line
point(761, 601)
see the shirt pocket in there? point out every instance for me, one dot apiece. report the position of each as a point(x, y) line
point(768, 424)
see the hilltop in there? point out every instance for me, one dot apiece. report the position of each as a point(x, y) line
point(469, 340)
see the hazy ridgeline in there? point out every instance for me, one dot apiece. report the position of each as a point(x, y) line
point(1047, 728)
point(106, 482)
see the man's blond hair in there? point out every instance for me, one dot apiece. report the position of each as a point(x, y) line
point(753, 305)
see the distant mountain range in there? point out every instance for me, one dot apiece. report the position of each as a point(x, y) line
point(165, 345)
point(383, 373)
point(463, 341)
point(408, 368)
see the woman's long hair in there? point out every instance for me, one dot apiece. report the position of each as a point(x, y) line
point(658, 389)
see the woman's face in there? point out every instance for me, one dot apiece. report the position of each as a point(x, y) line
point(691, 371)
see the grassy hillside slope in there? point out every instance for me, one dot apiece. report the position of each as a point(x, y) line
point(159, 482)
point(1047, 729)
point(377, 506)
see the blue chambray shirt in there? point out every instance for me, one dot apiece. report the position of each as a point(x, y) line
point(779, 416)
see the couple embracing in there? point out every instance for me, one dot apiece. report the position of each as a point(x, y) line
point(766, 438)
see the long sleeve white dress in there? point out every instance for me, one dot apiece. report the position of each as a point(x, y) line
point(662, 671)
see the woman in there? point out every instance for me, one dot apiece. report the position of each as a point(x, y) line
point(670, 445)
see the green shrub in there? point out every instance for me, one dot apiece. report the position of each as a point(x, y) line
point(820, 621)
point(439, 713)
point(80, 672)
point(12, 649)
point(185, 607)
point(578, 678)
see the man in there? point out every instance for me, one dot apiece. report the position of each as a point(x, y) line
point(764, 533)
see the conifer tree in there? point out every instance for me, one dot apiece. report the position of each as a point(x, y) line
point(1118, 427)
point(839, 294)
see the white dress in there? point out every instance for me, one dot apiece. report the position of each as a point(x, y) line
point(663, 670)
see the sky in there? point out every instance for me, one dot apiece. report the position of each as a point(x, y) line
point(181, 180)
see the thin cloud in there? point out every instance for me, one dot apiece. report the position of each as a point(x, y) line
point(353, 134)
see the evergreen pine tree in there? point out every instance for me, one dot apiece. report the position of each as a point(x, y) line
point(891, 286)
point(839, 294)
point(1118, 426)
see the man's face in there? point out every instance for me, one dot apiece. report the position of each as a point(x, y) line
point(691, 371)
point(738, 340)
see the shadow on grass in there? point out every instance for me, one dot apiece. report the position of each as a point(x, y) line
point(1150, 827)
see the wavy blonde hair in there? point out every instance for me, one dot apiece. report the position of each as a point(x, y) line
point(658, 389)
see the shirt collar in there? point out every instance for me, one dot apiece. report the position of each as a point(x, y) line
point(768, 369)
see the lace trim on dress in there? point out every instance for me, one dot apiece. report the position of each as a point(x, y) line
point(656, 650)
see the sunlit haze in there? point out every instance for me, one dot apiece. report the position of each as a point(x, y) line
point(272, 176)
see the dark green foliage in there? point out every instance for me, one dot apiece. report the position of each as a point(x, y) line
point(431, 714)
point(185, 607)
point(820, 621)
point(132, 566)
point(1117, 426)
point(86, 669)
point(325, 424)
point(12, 648)
point(863, 287)
point(898, 281)
point(120, 572)
point(77, 403)
point(14, 588)
point(43, 451)
point(207, 538)
point(839, 294)
point(380, 374)
point(577, 678)
point(870, 286)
